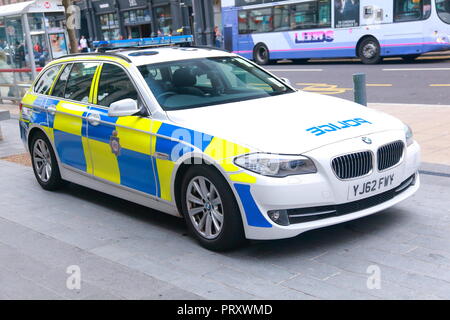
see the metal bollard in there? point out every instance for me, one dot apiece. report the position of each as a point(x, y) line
point(359, 88)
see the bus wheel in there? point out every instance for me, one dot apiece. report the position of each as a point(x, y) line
point(369, 51)
point(410, 58)
point(261, 54)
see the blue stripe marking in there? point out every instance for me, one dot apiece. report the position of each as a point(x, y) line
point(177, 149)
point(70, 149)
point(103, 131)
point(158, 186)
point(39, 102)
point(51, 118)
point(137, 171)
point(254, 216)
point(174, 149)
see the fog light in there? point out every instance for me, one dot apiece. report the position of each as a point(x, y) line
point(279, 217)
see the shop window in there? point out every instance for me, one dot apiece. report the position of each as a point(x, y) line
point(163, 20)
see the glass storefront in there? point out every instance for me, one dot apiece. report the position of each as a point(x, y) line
point(137, 16)
point(109, 24)
point(163, 20)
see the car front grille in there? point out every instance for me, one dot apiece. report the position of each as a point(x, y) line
point(317, 213)
point(352, 165)
point(390, 154)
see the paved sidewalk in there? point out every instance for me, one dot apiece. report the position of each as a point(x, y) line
point(126, 251)
point(431, 127)
point(131, 252)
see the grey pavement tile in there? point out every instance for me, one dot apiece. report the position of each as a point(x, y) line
point(433, 243)
point(387, 290)
point(15, 286)
point(435, 256)
point(324, 290)
point(248, 282)
point(402, 262)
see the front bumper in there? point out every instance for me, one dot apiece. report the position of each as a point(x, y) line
point(323, 190)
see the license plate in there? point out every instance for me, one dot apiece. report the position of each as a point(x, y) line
point(371, 187)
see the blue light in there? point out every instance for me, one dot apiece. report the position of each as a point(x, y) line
point(139, 42)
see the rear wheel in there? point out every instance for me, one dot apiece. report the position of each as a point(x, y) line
point(45, 165)
point(369, 51)
point(261, 54)
point(210, 209)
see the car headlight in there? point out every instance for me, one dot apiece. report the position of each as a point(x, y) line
point(408, 135)
point(276, 165)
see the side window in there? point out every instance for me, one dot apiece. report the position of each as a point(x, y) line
point(411, 10)
point(80, 80)
point(260, 20)
point(45, 81)
point(243, 22)
point(114, 85)
point(60, 85)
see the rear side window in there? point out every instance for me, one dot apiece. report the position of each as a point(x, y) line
point(80, 80)
point(60, 85)
point(45, 81)
point(114, 85)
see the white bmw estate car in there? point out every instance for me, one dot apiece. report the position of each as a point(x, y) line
point(211, 137)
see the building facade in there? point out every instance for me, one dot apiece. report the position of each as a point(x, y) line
point(123, 19)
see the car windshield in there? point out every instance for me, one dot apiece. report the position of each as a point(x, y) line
point(203, 82)
point(443, 10)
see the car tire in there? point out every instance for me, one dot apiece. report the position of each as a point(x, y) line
point(210, 210)
point(261, 54)
point(45, 165)
point(369, 51)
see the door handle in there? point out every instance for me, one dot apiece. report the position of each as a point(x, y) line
point(52, 109)
point(94, 119)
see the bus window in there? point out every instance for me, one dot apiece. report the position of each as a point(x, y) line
point(260, 20)
point(304, 16)
point(312, 14)
point(243, 22)
point(325, 13)
point(281, 18)
point(443, 10)
point(411, 10)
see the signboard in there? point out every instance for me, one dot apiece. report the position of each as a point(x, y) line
point(130, 4)
point(346, 13)
point(103, 6)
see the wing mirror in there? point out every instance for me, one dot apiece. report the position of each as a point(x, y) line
point(286, 81)
point(123, 108)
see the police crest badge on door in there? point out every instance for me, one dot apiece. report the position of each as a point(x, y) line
point(114, 142)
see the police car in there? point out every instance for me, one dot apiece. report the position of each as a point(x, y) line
point(210, 136)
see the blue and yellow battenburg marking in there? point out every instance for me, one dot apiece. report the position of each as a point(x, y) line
point(90, 148)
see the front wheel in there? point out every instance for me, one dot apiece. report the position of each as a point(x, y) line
point(369, 51)
point(45, 165)
point(210, 209)
point(261, 54)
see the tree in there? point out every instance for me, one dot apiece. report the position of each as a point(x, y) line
point(71, 24)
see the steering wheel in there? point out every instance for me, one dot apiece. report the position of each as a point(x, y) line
point(164, 94)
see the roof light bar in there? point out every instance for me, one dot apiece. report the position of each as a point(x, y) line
point(143, 42)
